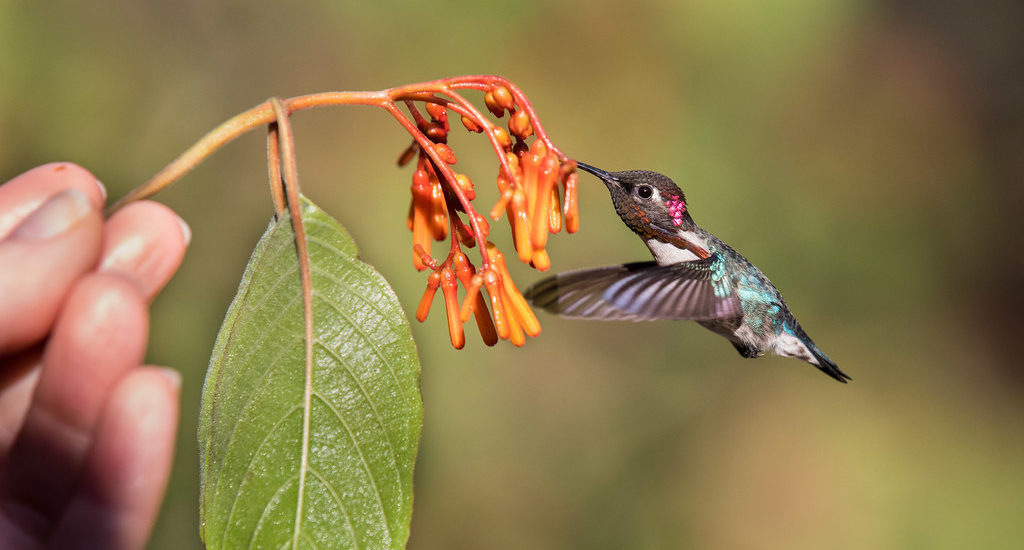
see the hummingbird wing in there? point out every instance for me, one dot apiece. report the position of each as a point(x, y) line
point(579, 294)
point(639, 292)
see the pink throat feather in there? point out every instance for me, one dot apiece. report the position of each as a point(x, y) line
point(676, 207)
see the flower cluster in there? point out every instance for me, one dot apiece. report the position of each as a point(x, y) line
point(537, 194)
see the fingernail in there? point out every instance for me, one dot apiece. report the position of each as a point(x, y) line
point(103, 190)
point(186, 231)
point(58, 214)
point(173, 377)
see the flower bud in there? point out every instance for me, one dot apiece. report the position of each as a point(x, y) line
point(502, 137)
point(470, 125)
point(466, 184)
point(502, 97)
point(437, 111)
point(481, 222)
point(519, 125)
point(445, 153)
point(492, 105)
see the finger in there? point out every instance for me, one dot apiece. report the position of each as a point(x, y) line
point(25, 193)
point(146, 242)
point(101, 333)
point(17, 384)
point(41, 258)
point(127, 470)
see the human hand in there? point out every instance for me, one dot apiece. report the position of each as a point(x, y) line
point(86, 431)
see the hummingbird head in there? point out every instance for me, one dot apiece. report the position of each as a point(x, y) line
point(651, 204)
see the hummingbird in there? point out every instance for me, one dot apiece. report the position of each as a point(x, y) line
point(694, 276)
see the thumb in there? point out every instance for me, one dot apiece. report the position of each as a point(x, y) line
point(39, 262)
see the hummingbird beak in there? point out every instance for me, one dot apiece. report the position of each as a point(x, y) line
point(604, 176)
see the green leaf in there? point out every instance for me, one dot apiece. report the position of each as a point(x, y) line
point(365, 415)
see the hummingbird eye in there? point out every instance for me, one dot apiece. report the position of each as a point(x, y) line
point(644, 191)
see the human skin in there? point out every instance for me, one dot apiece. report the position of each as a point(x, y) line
point(86, 429)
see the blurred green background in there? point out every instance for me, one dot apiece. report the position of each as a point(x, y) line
point(866, 155)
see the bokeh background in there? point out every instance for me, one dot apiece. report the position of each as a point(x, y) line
point(866, 155)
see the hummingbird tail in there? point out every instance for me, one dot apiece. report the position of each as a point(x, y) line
point(827, 365)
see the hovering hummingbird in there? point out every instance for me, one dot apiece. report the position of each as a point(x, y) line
point(694, 276)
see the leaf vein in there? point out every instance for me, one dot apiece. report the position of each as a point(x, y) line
point(362, 456)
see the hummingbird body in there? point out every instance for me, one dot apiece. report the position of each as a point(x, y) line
point(694, 276)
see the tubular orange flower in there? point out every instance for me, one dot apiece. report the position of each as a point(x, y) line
point(546, 181)
point(554, 215)
point(520, 219)
point(423, 310)
point(492, 282)
point(449, 287)
point(570, 206)
point(438, 215)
